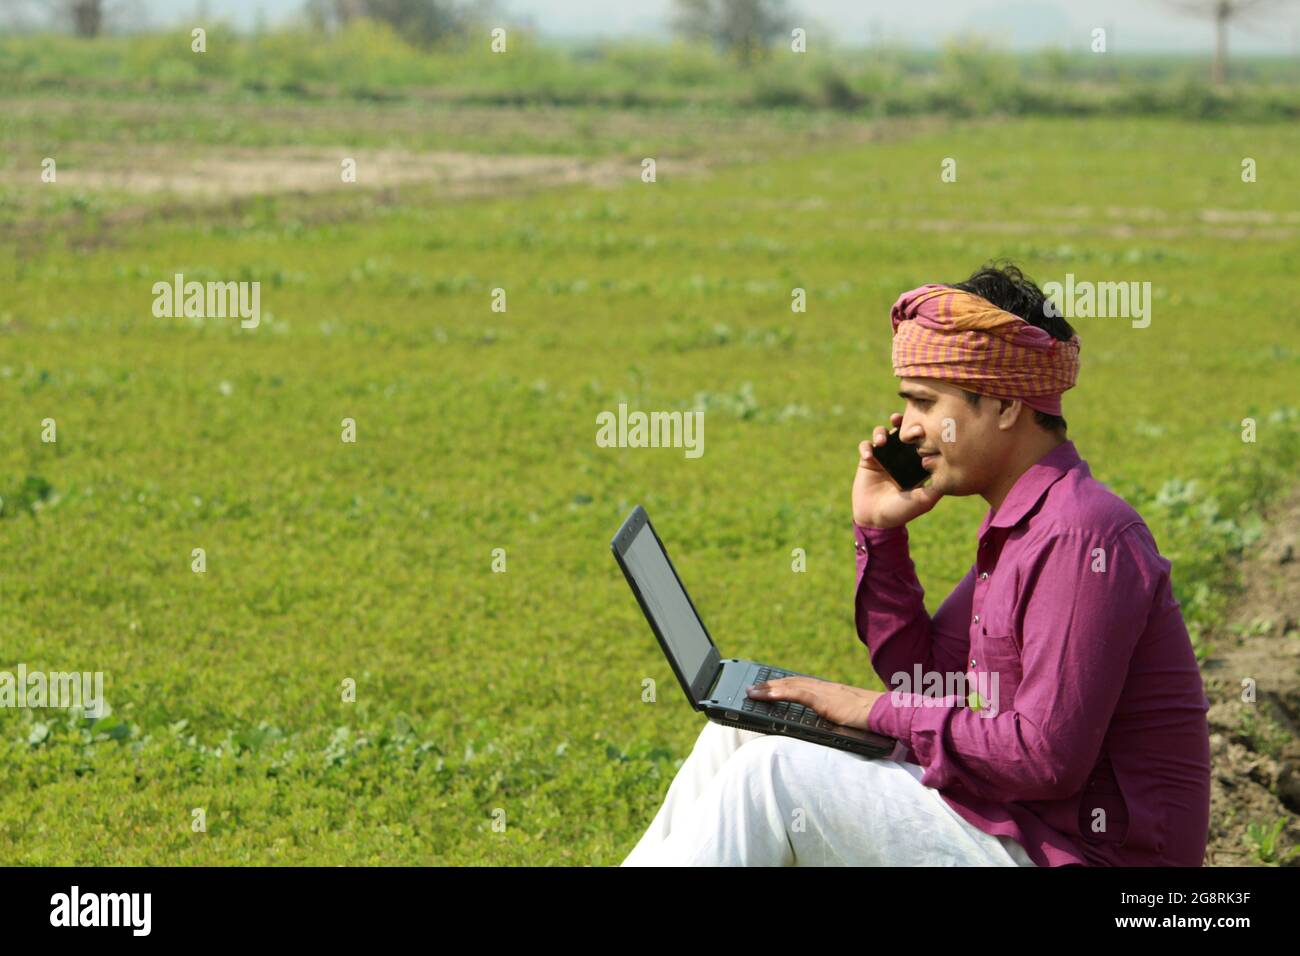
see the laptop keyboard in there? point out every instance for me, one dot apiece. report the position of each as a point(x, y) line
point(786, 709)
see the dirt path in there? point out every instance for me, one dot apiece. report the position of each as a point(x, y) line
point(226, 172)
point(1255, 747)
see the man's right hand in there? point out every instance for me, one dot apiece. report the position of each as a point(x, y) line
point(877, 501)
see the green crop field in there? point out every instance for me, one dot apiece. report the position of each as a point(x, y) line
point(484, 696)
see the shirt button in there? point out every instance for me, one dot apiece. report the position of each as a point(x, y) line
point(977, 618)
point(972, 662)
point(984, 576)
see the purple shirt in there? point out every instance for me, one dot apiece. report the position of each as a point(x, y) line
point(1097, 751)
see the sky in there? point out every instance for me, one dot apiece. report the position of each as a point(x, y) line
point(1136, 25)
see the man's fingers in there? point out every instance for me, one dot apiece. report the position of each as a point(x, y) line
point(925, 492)
point(797, 689)
point(930, 493)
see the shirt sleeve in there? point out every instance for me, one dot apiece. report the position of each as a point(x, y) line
point(1080, 628)
point(890, 609)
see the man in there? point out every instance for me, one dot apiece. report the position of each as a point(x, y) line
point(1084, 739)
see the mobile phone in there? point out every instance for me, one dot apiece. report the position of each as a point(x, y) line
point(901, 461)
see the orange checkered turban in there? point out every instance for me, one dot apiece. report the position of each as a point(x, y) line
point(945, 333)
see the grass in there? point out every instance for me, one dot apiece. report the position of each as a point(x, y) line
point(1262, 840)
point(1263, 732)
point(517, 696)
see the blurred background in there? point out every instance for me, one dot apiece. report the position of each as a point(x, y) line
point(1190, 57)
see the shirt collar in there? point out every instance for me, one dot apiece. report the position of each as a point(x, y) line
point(1032, 485)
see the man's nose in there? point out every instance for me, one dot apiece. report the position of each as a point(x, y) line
point(910, 433)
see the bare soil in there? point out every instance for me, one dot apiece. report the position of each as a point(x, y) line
point(1255, 747)
point(226, 172)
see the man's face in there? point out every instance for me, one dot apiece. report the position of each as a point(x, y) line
point(961, 445)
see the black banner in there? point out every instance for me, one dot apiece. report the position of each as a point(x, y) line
point(333, 906)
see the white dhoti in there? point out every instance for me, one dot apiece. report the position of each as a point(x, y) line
point(747, 799)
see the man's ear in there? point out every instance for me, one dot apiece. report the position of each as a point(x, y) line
point(1009, 410)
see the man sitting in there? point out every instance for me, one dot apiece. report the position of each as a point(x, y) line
point(1094, 749)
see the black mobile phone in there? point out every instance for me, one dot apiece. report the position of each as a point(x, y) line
point(901, 461)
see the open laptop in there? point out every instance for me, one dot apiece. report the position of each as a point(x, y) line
point(714, 684)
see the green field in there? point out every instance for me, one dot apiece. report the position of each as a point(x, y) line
point(522, 691)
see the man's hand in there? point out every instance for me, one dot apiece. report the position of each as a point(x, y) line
point(838, 703)
point(877, 501)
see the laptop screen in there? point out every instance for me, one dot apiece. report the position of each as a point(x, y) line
point(667, 602)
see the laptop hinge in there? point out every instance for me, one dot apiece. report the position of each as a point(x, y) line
point(717, 676)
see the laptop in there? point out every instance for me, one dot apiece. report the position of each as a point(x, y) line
point(713, 683)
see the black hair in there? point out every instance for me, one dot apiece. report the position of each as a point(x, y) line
point(1002, 283)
